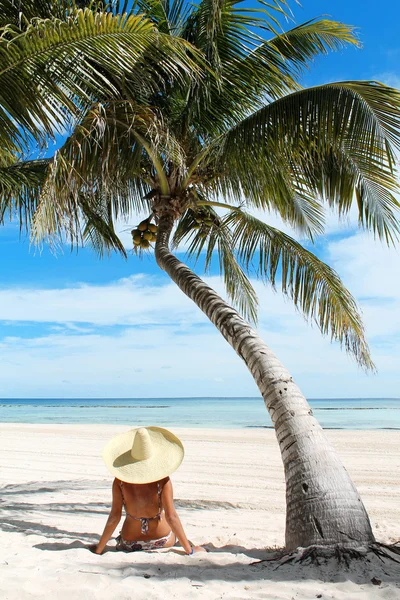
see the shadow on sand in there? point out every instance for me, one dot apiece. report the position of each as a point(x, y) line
point(205, 567)
point(26, 518)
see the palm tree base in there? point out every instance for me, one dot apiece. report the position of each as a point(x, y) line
point(343, 553)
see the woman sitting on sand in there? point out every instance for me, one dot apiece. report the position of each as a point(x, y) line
point(141, 461)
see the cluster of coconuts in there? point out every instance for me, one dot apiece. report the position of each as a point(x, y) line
point(145, 233)
point(203, 222)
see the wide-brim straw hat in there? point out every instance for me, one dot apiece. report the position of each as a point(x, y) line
point(143, 454)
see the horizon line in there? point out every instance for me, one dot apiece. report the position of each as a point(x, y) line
point(185, 398)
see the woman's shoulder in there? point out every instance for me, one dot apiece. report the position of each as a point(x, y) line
point(162, 482)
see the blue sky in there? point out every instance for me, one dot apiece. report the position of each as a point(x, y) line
point(377, 30)
point(74, 326)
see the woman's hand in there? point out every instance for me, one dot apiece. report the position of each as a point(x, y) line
point(197, 549)
point(94, 548)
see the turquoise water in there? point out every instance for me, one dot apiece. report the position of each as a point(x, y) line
point(227, 413)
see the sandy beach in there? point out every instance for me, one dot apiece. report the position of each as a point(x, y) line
point(55, 497)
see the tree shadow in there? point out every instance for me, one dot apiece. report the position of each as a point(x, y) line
point(21, 516)
point(239, 563)
point(60, 546)
point(13, 509)
point(203, 569)
point(256, 553)
point(43, 487)
point(34, 528)
point(98, 508)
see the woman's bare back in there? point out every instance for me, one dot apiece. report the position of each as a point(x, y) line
point(145, 517)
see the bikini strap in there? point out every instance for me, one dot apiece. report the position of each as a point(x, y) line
point(159, 490)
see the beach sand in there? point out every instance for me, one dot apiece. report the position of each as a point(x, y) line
point(55, 495)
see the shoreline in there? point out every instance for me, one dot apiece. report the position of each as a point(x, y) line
point(230, 495)
point(194, 427)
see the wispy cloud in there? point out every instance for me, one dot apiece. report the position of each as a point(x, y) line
point(141, 336)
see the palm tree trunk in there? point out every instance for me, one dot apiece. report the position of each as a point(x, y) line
point(323, 506)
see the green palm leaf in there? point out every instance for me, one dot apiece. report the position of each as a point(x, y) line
point(314, 287)
point(98, 230)
point(302, 43)
point(335, 141)
point(169, 16)
point(279, 62)
point(225, 34)
point(248, 67)
point(204, 240)
point(53, 66)
point(21, 12)
point(105, 152)
point(20, 188)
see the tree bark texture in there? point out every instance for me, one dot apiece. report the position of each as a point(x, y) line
point(323, 506)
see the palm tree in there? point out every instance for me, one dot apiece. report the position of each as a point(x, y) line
point(200, 158)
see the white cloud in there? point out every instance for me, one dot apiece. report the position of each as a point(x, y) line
point(372, 272)
point(370, 267)
point(156, 361)
point(133, 301)
point(164, 345)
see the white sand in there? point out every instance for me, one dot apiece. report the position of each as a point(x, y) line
point(55, 494)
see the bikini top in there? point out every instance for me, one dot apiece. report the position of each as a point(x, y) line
point(144, 520)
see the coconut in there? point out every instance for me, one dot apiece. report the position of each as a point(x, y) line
point(145, 244)
point(142, 226)
point(148, 235)
point(152, 227)
point(137, 239)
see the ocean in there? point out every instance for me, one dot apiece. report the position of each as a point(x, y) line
point(226, 413)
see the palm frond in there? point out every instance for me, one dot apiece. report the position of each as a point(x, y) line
point(314, 287)
point(279, 62)
point(111, 149)
point(248, 68)
point(55, 66)
point(98, 227)
point(169, 16)
point(264, 179)
point(217, 237)
point(21, 12)
point(20, 188)
point(226, 34)
point(296, 47)
point(334, 141)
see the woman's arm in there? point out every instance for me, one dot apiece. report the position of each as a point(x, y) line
point(167, 498)
point(113, 518)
